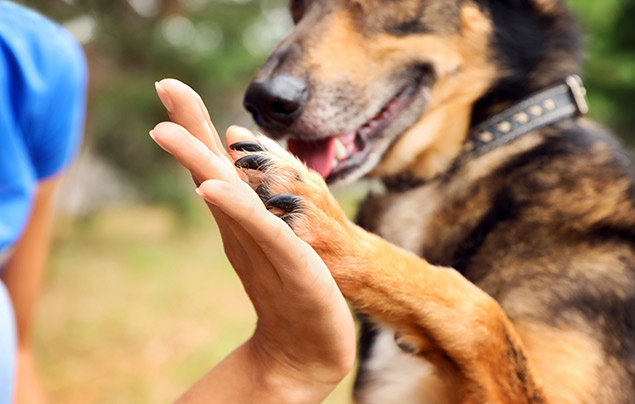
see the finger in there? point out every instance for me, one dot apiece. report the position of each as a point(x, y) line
point(192, 153)
point(238, 247)
point(249, 261)
point(251, 264)
point(237, 134)
point(281, 245)
point(186, 108)
point(273, 248)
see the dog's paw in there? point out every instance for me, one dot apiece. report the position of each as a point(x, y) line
point(293, 192)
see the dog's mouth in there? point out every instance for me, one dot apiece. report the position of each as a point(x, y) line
point(337, 156)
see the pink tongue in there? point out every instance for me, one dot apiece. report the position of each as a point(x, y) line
point(318, 155)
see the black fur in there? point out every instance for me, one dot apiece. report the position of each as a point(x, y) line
point(413, 26)
point(527, 42)
point(504, 208)
point(367, 335)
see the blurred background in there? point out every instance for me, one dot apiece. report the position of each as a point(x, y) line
point(139, 300)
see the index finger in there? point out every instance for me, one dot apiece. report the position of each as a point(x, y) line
point(185, 107)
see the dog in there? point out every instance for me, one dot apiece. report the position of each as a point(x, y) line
point(497, 263)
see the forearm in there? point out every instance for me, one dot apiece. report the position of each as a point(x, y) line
point(25, 269)
point(23, 277)
point(244, 377)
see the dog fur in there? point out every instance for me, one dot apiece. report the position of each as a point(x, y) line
point(506, 279)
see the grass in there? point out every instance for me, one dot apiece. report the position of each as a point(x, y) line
point(136, 307)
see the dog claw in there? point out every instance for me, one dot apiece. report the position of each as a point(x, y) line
point(285, 202)
point(406, 343)
point(247, 147)
point(253, 162)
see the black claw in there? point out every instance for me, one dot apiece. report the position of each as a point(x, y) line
point(253, 162)
point(247, 147)
point(405, 345)
point(286, 202)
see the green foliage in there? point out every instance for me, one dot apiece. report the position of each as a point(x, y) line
point(610, 62)
point(132, 44)
point(216, 45)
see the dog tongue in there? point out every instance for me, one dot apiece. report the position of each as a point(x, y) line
point(318, 155)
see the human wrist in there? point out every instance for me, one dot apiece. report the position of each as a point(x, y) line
point(282, 381)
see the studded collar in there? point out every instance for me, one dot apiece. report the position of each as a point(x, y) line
point(540, 109)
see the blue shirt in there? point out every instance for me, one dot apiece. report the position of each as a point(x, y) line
point(42, 101)
point(42, 97)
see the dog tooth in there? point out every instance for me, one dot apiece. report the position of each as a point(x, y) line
point(340, 150)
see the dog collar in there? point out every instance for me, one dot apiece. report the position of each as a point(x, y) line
point(540, 109)
point(545, 107)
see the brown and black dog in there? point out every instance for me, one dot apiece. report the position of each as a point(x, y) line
point(501, 268)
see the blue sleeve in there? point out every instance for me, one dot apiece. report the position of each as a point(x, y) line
point(48, 74)
point(42, 96)
point(58, 125)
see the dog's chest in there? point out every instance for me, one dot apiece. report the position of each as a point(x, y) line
point(404, 219)
point(395, 377)
point(427, 221)
point(392, 376)
point(431, 220)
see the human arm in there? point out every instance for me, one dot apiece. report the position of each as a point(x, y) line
point(23, 276)
point(43, 78)
point(304, 343)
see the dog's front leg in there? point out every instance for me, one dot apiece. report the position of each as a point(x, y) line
point(437, 313)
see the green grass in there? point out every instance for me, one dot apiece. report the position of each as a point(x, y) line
point(136, 307)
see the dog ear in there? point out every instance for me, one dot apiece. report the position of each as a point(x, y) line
point(297, 9)
point(527, 35)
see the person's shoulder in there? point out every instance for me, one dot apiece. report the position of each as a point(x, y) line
point(35, 39)
point(19, 20)
point(44, 70)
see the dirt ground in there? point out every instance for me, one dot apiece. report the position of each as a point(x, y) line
point(136, 307)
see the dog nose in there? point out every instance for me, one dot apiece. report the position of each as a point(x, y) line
point(275, 103)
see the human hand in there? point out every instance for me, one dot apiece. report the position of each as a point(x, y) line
point(305, 337)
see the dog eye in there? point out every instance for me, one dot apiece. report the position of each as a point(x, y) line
point(297, 8)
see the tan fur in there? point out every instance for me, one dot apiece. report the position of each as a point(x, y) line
point(465, 75)
point(460, 61)
point(566, 359)
point(435, 306)
point(505, 328)
point(408, 218)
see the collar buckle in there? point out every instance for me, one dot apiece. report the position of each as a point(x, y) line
point(574, 82)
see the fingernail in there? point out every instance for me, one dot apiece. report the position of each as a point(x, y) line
point(199, 192)
point(151, 133)
point(164, 97)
